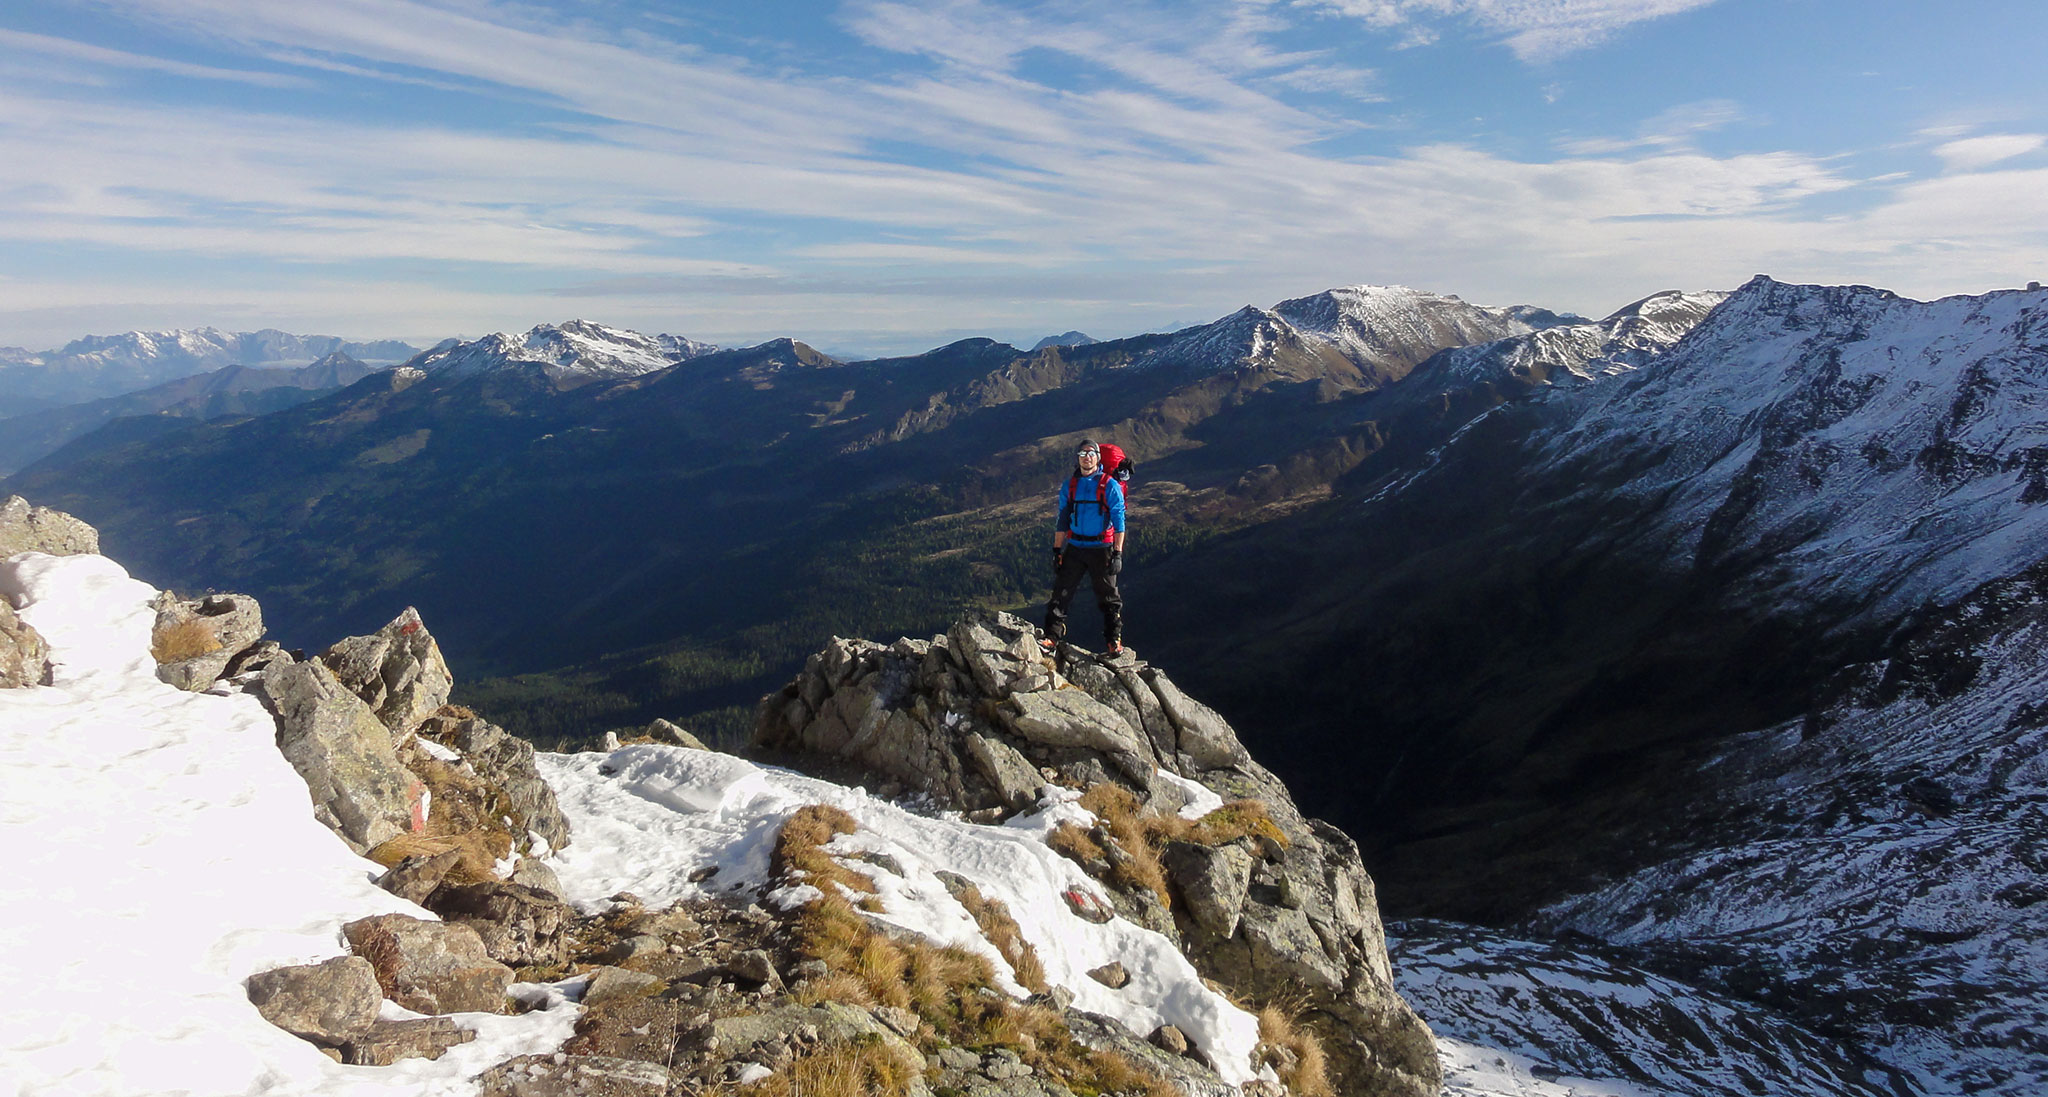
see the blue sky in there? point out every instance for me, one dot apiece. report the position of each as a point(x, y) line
point(879, 176)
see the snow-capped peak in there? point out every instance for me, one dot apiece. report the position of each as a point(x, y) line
point(571, 353)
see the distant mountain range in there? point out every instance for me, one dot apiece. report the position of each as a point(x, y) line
point(228, 391)
point(100, 366)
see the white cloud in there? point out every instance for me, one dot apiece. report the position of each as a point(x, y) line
point(1972, 153)
point(1536, 30)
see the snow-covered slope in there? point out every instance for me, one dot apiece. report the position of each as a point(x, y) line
point(161, 851)
point(1573, 353)
point(108, 365)
point(1375, 334)
point(1384, 324)
point(569, 354)
point(1882, 453)
point(1884, 861)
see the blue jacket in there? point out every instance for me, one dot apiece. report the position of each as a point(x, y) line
point(1088, 522)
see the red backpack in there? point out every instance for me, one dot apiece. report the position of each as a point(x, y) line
point(1115, 466)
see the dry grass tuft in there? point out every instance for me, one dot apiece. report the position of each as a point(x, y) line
point(800, 855)
point(480, 850)
point(1002, 931)
point(181, 640)
point(836, 1070)
point(1294, 1053)
point(1140, 836)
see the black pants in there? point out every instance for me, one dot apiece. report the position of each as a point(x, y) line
point(1081, 560)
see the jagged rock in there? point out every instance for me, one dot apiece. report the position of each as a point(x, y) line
point(573, 1076)
point(1001, 652)
point(256, 657)
point(503, 762)
point(343, 752)
point(28, 528)
point(397, 670)
point(1069, 718)
point(24, 654)
point(1111, 975)
point(1203, 735)
point(388, 1042)
point(608, 984)
point(416, 877)
point(1212, 882)
point(430, 967)
point(1015, 780)
point(662, 731)
point(519, 925)
point(195, 640)
point(537, 874)
point(328, 1003)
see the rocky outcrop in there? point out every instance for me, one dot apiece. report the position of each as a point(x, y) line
point(516, 797)
point(27, 528)
point(397, 670)
point(344, 754)
point(980, 720)
point(194, 640)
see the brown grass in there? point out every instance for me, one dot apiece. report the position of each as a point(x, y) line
point(186, 639)
point(1002, 931)
point(1294, 1053)
point(480, 850)
point(1142, 835)
point(836, 1070)
point(948, 988)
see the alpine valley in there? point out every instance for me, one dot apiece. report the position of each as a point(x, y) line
point(1679, 673)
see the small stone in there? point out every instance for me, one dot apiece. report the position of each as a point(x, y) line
point(754, 966)
point(1087, 907)
point(698, 876)
point(1169, 1038)
point(959, 1058)
point(638, 947)
point(560, 1075)
point(416, 877)
point(608, 984)
point(1111, 975)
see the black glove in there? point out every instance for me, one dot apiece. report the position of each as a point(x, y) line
point(1116, 561)
point(1059, 559)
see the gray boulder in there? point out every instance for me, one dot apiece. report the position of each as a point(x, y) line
point(195, 640)
point(830, 1023)
point(1201, 734)
point(388, 1042)
point(1001, 652)
point(573, 1076)
point(430, 967)
point(1211, 881)
point(328, 1003)
point(27, 528)
point(664, 731)
point(24, 654)
point(1069, 718)
point(397, 670)
point(343, 752)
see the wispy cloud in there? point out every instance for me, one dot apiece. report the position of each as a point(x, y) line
point(1536, 30)
point(1972, 153)
point(50, 47)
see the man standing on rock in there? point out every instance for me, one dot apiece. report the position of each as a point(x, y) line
point(1088, 540)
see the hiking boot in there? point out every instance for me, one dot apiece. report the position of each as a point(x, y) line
point(1048, 645)
point(1115, 650)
